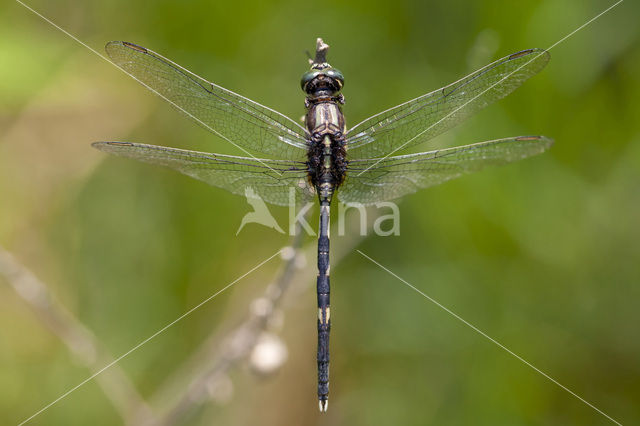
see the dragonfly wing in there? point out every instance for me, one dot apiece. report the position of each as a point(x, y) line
point(380, 179)
point(422, 118)
point(241, 121)
point(276, 182)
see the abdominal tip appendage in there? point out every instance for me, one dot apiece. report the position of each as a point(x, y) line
point(323, 405)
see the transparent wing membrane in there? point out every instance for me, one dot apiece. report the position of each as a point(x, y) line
point(375, 180)
point(275, 181)
point(235, 118)
point(421, 119)
point(371, 177)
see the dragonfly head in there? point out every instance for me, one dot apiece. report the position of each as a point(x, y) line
point(322, 81)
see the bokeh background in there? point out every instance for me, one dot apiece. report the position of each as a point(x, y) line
point(542, 255)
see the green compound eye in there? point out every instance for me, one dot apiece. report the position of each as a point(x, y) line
point(335, 74)
point(331, 73)
point(307, 77)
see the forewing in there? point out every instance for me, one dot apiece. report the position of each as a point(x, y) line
point(239, 120)
point(276, 182)
point(421, 119)
point(374, 180)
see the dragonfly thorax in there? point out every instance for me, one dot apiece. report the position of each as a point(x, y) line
point(327, 148)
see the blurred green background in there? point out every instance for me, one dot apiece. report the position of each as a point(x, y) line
point(542, 255)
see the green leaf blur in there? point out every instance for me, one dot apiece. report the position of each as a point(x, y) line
point(542, 255)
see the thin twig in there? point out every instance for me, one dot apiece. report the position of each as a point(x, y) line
point(82, 344)
point(240, 341)
point(320, 61)
point(214, 360)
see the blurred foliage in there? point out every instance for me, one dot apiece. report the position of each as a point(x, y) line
point(541, 255)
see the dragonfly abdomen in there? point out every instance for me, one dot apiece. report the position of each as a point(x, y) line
point(324, 310)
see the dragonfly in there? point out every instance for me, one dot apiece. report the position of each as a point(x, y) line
point(322, 158)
